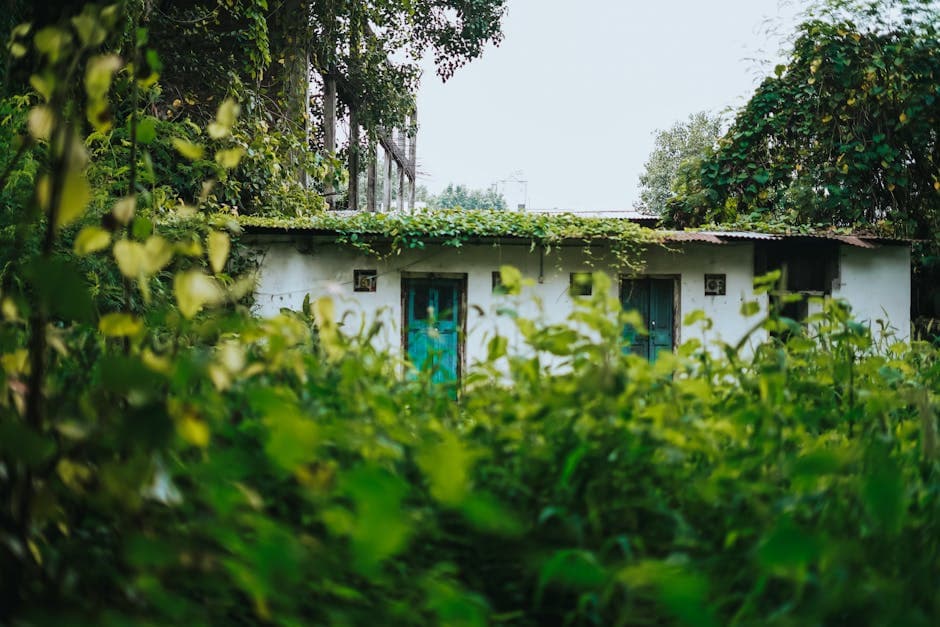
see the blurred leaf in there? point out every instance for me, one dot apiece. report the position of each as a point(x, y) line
point(90, 240)
point(381, 526)
point(447, 466)
point(194, 290)
point(120, 325)
point(225, 119)
point(883, 490)
point(228, 158)
point(574, 569)
point(74, 197)
point(218, 244)
point(188, 149)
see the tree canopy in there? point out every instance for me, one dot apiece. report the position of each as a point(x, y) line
point(681, 145)
point(454, 196)
point(845, 132)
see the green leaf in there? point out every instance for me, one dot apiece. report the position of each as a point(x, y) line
point(146, 130)
point(91, 239)
point(188, 149)
point(447, 466)
point(573, 569)
point(90, 32)
point(218, 244)
point(381, 527)
point(74, 198)
point(124, 209)
point(788, 548)
point(194, 290)
point(41, 121)
point(883, 490)
point(130, 258)
point(120, 325)
point(749, 308)
point(225, 119)
point(229, 158)
point(53, 42)
point(98, 75)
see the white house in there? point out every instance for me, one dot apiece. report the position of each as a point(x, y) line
point(449, 266)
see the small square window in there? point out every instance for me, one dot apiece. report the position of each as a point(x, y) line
point(365, 280)
point(581, 284)
point(715, 284)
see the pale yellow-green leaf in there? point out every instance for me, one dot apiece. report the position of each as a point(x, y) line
point(242, 287)
point(40, 122)
point(90, 32)
point(124, 209)
point(98, 75)
point(224, 119)
point(219, 246)
point(188, 149)
point(191, 248)
point(119, 325)
point(130, 257)
point(73, 198)
point(91, 239)
point(193, 430)
point(44, 192)
point(194, 290)
point(511, 279)
point(52, 42)
point(44, 84)
point(228, 158)
point(17, 50)
point(157, 254)
point(325, 314)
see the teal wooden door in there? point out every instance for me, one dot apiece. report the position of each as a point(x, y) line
point(432, 324)
point(654, 300)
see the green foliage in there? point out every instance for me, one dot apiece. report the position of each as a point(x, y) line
point(384, 234)
point(843, 133)
point(681, 146)
point(461, 197)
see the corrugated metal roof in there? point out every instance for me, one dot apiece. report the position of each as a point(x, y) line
point(722, 237)
point(746, 235)
point(693, 236)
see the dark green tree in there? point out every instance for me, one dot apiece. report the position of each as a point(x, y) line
point(844, 134)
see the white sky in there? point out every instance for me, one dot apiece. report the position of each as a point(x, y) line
point(575, 92)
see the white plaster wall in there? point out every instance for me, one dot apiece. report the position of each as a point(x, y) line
point(287, 275)
point(877, 284)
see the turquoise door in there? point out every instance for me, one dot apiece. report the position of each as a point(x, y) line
point(432, 324)
point(654, 300)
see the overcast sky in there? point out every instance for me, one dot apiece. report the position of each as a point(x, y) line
point(573, 95)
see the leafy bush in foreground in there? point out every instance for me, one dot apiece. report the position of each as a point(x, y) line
point(268, 473)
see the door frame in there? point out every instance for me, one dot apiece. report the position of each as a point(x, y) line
point(676, 298)
point(461, 278)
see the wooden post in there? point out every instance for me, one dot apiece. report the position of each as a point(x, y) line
point(370, 176)
point(401, 171)
point(353, 201)
point(413, 156)
point(329, 126)
point(387, 204)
